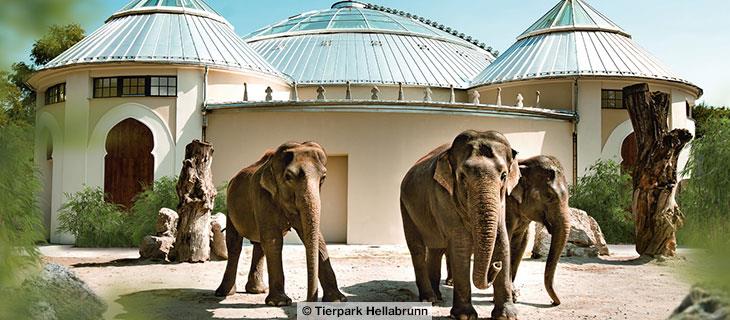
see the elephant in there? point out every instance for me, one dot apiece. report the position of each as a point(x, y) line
point(265, 200)
point(541, 196)
point(453, 200)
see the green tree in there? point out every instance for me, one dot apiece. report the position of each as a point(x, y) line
point(702, 114)
point(56, 40)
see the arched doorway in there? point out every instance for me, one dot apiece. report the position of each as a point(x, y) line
point(629, 153)
point(129, 164)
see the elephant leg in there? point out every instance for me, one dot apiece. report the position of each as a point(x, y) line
point(327, 277)
point(234, 244)
point(418, 256)
point(518, 245)
point(433, 261)
point(255, 282)
point(449, 276)
point(272, 246)
point(504, 308)
point(460, 251)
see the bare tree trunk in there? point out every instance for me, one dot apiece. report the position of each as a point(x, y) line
point(655, 211)
point(197, 193)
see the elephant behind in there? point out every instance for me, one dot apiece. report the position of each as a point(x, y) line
point(453, 199)
point(266, 200)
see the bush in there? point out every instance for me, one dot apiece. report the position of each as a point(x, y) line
point(220, 200)
point(143, 214)
point(706, 204)
point(605, 194)
point(93, 221)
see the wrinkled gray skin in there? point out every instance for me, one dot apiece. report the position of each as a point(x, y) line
point(453, 200)
point(265, 200)
point(541, 196)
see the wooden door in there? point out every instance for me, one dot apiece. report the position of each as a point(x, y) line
point(629, 153)
point(129, 164)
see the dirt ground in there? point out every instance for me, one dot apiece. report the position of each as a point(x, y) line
point(615, 287)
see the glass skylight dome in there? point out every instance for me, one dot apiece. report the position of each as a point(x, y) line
point(355, 15)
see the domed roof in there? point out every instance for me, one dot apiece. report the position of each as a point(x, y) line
point(364, 43)
point(572, 40)
point(167, 32)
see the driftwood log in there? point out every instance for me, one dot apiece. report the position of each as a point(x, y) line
point(196, 192)
point(655, 211)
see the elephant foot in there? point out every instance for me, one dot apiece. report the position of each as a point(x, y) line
point(449, 282)
point(278, 300)
point(224, 290)
point(335, 296)
point(464, 313)
point(506, 312)
point(255, 287)
point(432, 298)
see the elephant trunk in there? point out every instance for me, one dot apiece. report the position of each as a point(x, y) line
point(485, 209)
point(310, 216)
point(559, 231)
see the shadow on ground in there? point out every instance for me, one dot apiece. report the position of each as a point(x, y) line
point(180, 304)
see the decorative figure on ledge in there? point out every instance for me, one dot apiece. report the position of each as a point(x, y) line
point(499, 96)
point(268, 94)
point(537, 101)
point(475, 97)
point(400, 91)
point(375, 92)
point(520, 100)
point(348, 92)
point(245, 91)
point(452, 96)
point(295, 92)
point(320, 93)
point(427, 95)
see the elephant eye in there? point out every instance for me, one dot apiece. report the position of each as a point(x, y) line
point(288, 176)
point(504, 176)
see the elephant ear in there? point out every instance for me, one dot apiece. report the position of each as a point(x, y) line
point(513, 176)
point(268, 181)
point(444, 174)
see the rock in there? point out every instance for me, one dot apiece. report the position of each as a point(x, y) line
point(166, 223)
point(218, 236)
point(585, 239)
point(154, 247)
point(57, 293)
point(702, 305)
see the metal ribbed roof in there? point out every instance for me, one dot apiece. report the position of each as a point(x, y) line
point(572, 15)
point(368, 45)
point(150, 31)
point(576, 51)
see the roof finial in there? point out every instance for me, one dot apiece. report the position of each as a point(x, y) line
point(401, 96)
point(268, 94)
point(537, 102)
point(348, 92)
point(375, 92)
point(475, 97)
point(499, 96)
point(427, 94)
point(245, 91)
point(452, 96)
point(520, 100)
point(320, 92)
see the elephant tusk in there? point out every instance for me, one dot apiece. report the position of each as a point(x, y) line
point(493, 272)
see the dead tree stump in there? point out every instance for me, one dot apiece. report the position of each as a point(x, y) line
point(197, 193)
point(656, 213)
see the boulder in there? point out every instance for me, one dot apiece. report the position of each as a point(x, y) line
point(702, 305)
point(218, 236)
point(166, 223)
point(57, 293)
point(155, 247)
point(585, 239)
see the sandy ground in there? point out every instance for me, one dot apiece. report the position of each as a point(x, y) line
point(609, 288)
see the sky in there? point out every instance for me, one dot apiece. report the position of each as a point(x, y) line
point(692, 37)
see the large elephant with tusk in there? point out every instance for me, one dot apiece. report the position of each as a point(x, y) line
point(265, 200)
point(453, 200)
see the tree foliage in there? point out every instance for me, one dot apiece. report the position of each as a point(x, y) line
point(605, 194)
point(56, 40)
point(703, 113)
point(143, 214)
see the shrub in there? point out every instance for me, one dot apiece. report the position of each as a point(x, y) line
point(605, 194)
point(93, 221)
point(220, 200)
point(706, 204)
point(143, 214)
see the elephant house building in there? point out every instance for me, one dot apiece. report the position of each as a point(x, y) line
point(377, 87)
